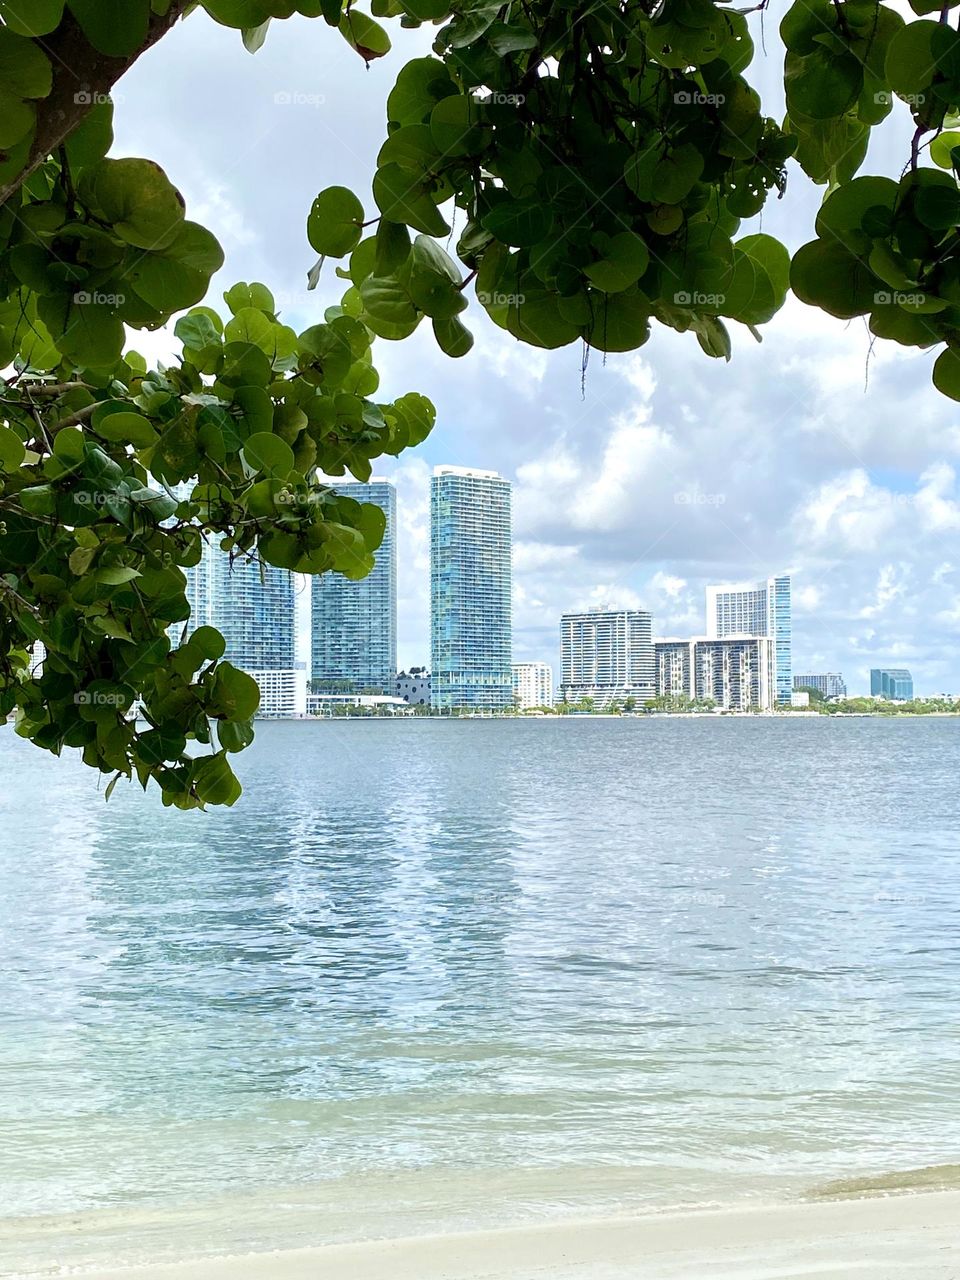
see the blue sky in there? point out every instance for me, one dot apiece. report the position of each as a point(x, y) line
point(808, 453)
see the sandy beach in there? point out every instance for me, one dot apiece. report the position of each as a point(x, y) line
point(908, 1237)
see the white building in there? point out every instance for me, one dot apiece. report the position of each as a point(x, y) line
point(532, 685)
point(757, 609)
point(326, 704)
point(283, 691)
point(607, 655)
point(735, 672)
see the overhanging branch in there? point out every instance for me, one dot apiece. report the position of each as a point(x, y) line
point(82, 76)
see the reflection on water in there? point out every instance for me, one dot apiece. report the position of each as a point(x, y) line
point(628, 962)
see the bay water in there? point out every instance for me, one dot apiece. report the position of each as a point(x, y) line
point(436, 975)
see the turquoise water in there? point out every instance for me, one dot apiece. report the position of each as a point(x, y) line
point(445, 974)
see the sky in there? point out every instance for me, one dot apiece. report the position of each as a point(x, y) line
point(811, 453)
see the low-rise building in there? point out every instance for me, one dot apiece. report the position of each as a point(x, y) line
point(893, 684)
point(414, 686)
point(532, 685)
point(828, 683)
point(283, 692)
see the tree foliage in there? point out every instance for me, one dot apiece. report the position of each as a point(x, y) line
point(581, 171)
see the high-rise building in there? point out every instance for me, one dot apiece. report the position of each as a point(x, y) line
point(532, 685)
point(353, 623)
point(673, 668)
point(734, 672)
point(829, 683)
point(757, 609)
point(470, 590)
point(893, 683)
point(607, 655)
point(252, 605)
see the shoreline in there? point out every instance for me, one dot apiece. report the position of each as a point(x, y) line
point(905, 1236)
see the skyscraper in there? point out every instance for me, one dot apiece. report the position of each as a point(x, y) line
point(892, 683)
point(757, 609)
point(252, 605)
point(353, 630)
point(607, 655)
point(470, 589)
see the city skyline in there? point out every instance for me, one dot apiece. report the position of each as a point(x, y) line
point(411, 653)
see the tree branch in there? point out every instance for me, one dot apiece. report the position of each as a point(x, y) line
point(82, 76)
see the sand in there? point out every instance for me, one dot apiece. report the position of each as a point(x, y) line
point(906, 1237)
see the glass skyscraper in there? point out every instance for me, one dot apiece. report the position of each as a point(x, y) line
point(470, 589)
point(757, 609)
point(892, 683)
point(250, 604)
point(353, 631)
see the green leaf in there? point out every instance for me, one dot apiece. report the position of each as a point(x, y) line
point(363, 34)
point(235, 695)
point(453, 337)
point(209, 642)
point(402, 197)
point(335, 224)
point(137, 198)
point(267, 453)
point(126, 428)
point(12, 451)
point(946, 373)
point(25, 70)
point(36, 18)
point(114, 27)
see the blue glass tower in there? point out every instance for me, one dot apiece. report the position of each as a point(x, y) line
point(353, 631)
point(893, 683)
point(780, 630)
point(470, 590)
point(252, 605)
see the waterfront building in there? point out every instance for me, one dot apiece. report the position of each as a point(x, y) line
point(413, 686)
point(734, 672)
point(532, 685)
point(470, 590)
point(353, 623)
point(607, 655)
point(829, 683)
point(895, 684)
point(757, 609)
point(252, 605)
point(673, 668)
